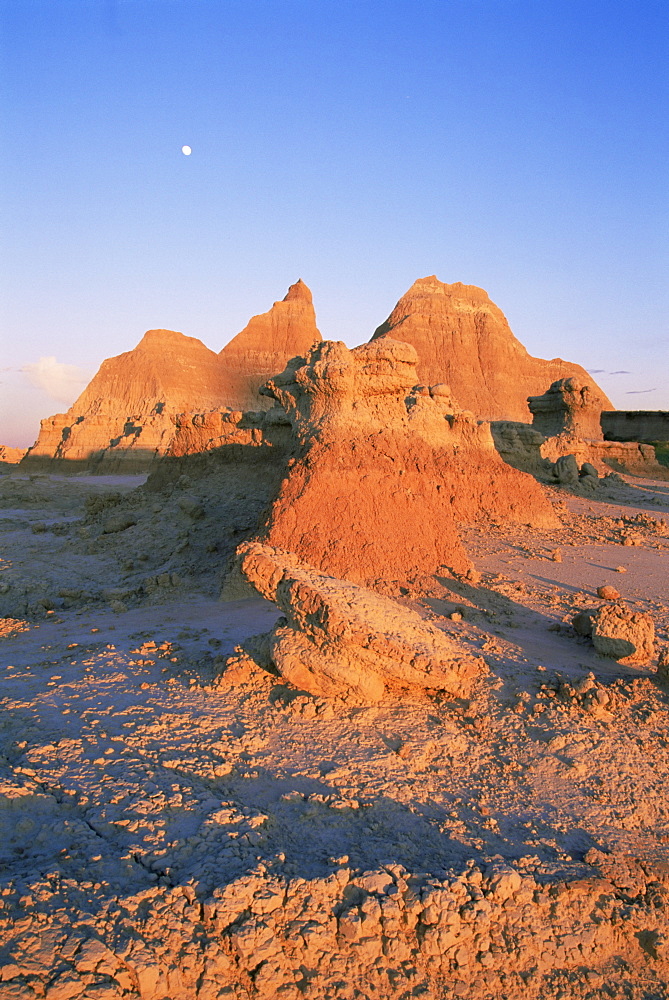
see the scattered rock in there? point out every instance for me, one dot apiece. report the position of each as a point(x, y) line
point(626, 636)
point(608, 593)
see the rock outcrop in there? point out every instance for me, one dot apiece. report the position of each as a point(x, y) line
point(625, 635)
point(569, 406)
point(11, 456)
point(124, 416)
point(127, 416)
point(341, 639)
point(383, 469)
point(464, 339)
point(566, 434)
point(265, 346)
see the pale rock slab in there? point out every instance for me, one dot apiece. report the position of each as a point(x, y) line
point(341, 639)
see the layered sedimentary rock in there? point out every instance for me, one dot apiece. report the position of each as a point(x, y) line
point(383, 468)
point(342, 639)
point(569, 406)
point(128, 414)
point(125, 414)
point(11, 456)
point(566, 423)
point(464, 339)
point(636, 425)
point(265, 346)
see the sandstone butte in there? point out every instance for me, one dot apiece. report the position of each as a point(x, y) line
point(382, 469)
point(125, 417)
point(464, 340)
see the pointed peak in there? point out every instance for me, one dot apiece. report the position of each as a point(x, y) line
point(298, 291)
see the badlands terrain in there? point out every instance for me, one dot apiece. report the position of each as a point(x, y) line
point(169, 834)
point(352, 694)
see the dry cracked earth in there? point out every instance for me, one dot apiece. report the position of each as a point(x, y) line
point(168, 833)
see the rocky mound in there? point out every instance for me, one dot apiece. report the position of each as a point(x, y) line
point(341, 639)
point(566, 433)
point(464, 339)
point(383, 469)
point(265, 346)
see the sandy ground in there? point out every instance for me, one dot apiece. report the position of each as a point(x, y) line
point(165, 835)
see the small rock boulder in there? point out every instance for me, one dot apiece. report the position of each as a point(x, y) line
point(663, 663)
point(625, 635)
point(342, 639)
point(608, 593)
point(566, 470)
point(582, 622)
point(118, 522)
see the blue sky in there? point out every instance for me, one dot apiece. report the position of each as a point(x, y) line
point(519, 146)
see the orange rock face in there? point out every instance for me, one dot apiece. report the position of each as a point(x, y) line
point(464, 340)
point(126, 416)
point(11, 456)
point(383, 470)
point(265, 346)
point(125, 413)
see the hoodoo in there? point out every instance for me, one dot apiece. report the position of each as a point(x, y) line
point(464, 340)
point(385, 468)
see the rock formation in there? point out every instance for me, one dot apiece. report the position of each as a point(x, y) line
point(265, 346)
point(341, 639)
point(384, 468)
point(569, 406)
point(464, 339)
point(11, 456)
point(566, 433)
point(126, 416)
point(625, 635)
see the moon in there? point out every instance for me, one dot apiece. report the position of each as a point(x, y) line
point(186, 150)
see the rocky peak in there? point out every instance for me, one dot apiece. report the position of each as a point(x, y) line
point(265, 346)
point(463, 339)
point(298, 291)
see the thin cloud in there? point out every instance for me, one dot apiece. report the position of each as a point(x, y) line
point(639, 392)
point(627, 373)
point(594, 371)
point(60, 381)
